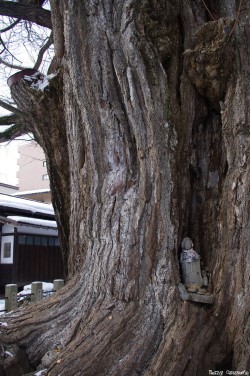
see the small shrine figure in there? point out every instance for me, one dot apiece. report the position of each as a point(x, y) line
point(194, 279)
point(191, 268)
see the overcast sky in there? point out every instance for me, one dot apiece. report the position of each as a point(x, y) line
point(26, 56)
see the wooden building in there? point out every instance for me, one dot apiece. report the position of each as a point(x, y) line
point(30, 248)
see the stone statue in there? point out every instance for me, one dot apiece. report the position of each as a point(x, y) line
point(190, 265)
point(194, 279)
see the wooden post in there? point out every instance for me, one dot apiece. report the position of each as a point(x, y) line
point(36, 291)
point(10, 297)
point(58, 284)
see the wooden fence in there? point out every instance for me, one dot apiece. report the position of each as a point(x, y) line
point(37, 293)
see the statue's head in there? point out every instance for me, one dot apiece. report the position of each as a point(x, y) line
point(186, 244)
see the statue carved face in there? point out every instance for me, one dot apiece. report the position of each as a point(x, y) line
point(186, 244)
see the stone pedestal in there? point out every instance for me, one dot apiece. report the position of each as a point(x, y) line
point(205, 298)
point(58, 284)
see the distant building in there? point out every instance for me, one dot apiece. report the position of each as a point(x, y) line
point(29, 245)
point(8, 189)
point(33, 179)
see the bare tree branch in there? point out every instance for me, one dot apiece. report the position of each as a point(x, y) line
point(10, 26)
point(8, 120)
point(12, 65)
point(33, 13)
point(10, 108)
point(5, 48)
point(42, 51)
point(11, 133)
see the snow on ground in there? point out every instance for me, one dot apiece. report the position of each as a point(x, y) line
point(47, 291)
point(47, 288)
point(2, 307)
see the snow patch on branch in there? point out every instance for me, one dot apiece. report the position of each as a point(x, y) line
point(40, 81)
point(40, 373)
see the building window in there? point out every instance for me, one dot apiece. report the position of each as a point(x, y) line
point(52, 242)
point(44, 241)
point(21, 239)
point(29, 240)
point(7, 250)
point(38, 240)
point(44, 163)
point(57, 243)
point(46, 177)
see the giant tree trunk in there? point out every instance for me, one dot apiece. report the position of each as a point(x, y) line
point(149, 145)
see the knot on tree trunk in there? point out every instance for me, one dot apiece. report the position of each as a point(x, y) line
point(209, 64)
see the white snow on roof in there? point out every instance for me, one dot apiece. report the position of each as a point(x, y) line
point(21, 203)
point(33, 221)
point(20, 193)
